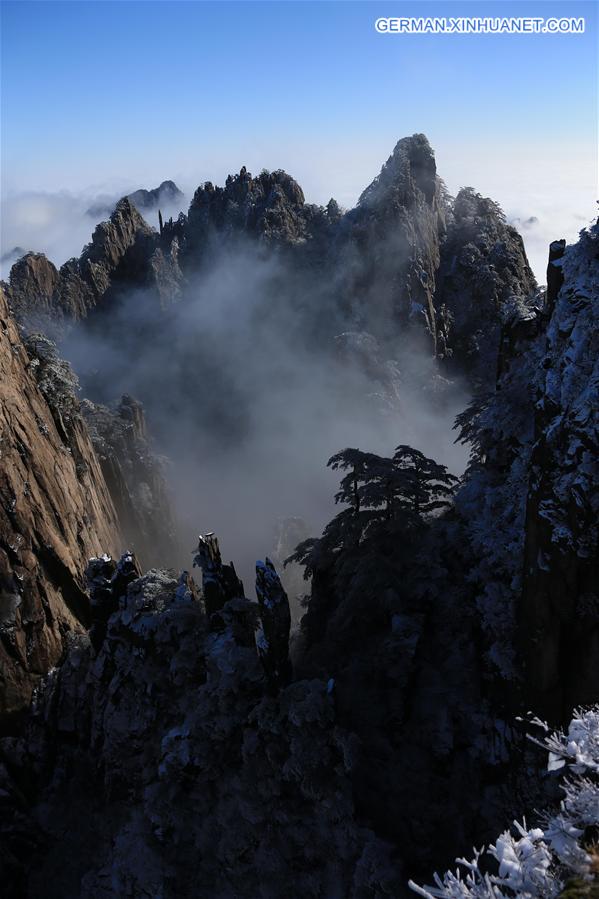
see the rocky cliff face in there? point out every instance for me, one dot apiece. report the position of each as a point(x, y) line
point(135, 477)
point(77, 480)
point(390, 245)
point(270, 206)
point(483, 272)
point(180, 769)
point(55, 511)
point(123, 254)
point(530, 495)
point(559, 611)
point(32, 290)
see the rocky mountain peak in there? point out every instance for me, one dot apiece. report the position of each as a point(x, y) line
point(111, 240)
point(32, 282)
point(483, 271)
point(269, 206)
point(166, 193)
point(411, 169)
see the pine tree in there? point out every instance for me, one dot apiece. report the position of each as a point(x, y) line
point(425, 484)
point(383, 498)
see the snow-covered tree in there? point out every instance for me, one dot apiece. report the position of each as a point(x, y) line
point(559, 857)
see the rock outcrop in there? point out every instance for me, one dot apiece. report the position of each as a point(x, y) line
point(559, 611)
point(135, 477)
point(32, 291)
point(55, 512)
point(289, 533)
point(270, 207)
point(483, 272)
point(186, 754)
point(123, 254)
point(188, 774)
point(530, 496)
point(78, 480)
point(389, 246)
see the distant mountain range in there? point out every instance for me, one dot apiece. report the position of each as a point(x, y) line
point(166, 194)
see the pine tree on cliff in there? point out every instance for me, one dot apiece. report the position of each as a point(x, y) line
point(422, 485)
point(383, 497)
point(374, 558)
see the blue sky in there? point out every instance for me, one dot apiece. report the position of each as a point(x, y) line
point(97, 94)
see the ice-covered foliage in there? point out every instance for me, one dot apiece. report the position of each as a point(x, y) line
point(540, 861)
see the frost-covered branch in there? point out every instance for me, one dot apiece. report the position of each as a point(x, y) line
point(538, 862)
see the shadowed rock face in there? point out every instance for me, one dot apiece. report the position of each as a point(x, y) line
point(55, 511)
point(185, 757)
point(135, 478)
point(391, 247)
point(559, 612)
point(190, 773)
point(165, 194)
point(483, 269)
point(270, 206)
point(183, 754)
point(33, 284)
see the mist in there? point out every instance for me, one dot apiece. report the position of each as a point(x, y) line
point(250, 383)
point(59, 224)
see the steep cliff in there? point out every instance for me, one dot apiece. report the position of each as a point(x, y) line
point(530, 498)
point(559, 611)
point(483, 271)
point(55, 511)
point(32, 292)
point(389, 245)
point(135, 477)
point(270, 206)
point(190, 773)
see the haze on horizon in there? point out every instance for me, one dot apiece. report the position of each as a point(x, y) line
point(117, 96)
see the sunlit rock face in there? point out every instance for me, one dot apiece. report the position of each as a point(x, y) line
point(55, 512)
point(77, 480)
